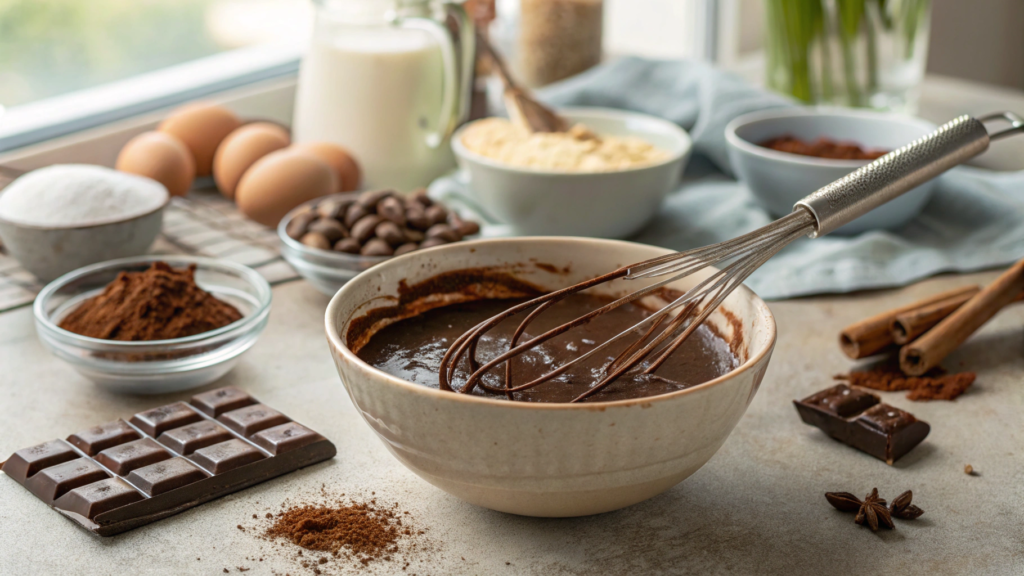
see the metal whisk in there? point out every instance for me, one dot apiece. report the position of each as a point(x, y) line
point(657, 336)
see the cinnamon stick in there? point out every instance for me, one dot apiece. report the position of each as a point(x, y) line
point(871, 336)
point(908, 326)
point(927, 351)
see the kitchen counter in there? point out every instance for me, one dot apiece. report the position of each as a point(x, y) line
point(756, 507)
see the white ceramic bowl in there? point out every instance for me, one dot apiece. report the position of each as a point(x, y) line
point(156, 366)
point(547, 459)
point(599, 204)
point(780, 179)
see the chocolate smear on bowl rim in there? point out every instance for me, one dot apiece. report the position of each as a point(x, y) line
point(440, 290)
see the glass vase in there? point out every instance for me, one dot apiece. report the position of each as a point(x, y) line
point(861, 53)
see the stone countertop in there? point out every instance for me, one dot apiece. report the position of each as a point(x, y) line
point(756, 507)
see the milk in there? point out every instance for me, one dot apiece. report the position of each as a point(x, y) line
point(377, 91)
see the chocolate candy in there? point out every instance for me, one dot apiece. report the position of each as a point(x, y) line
point(99, 438)
point(120, 475)
point(127, 457)
point(378, 223)
point(859, 419)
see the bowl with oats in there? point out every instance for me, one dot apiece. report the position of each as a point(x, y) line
point(606, 177)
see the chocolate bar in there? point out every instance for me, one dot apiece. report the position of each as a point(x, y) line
point(125, 474)
point(859, 419)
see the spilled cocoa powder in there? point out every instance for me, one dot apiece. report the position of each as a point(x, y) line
point(364, 529)
point(325, 533)
point(937, 384)
point(159, 304)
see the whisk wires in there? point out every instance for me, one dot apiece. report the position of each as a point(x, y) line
point(660, 334)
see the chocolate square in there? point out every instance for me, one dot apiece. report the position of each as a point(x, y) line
point(53, 482)
point(158, 420)
point(842, 400)
point(188, 439)
point(285, 438)
point(127, 457)
point(252, 419)
point(99, 438)
point(165, 476)
point(225, 456)
point(887, 419)
point(216, 402)
point(99, 497)
point(26, 462)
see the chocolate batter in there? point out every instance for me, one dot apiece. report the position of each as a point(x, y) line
point(412, 350)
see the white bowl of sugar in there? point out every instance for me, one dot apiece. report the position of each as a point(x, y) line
point(60, 218)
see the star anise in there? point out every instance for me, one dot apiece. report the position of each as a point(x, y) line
point(871, 511)
point(902, 508)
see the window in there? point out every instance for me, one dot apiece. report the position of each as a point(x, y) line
point(66, 65)
point(53, 47)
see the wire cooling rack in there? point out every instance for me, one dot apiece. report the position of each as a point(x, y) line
point(203, 224)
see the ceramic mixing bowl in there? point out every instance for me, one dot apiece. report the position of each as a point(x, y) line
point(780, 179)
point(611, 204)
point(550, 460)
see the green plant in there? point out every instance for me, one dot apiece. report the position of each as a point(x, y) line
point(837, 50)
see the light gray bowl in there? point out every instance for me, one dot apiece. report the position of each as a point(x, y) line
point(50, 252)
point(614, 204)
point(780, 179)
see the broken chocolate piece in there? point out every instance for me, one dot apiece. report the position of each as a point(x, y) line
point(858, 419)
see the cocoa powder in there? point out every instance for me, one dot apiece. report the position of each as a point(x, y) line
point(159, 304)
point(934, 385)
point(364, 529)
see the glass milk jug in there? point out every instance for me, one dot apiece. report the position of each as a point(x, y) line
point(389, 80)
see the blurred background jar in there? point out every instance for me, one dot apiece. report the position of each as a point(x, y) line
point(389, 80)
point(549, 40)
point(863, 53)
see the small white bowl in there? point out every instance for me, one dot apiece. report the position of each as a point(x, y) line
point(780, 179)
point(600, 204)
point(547, 459)
point(156, 366)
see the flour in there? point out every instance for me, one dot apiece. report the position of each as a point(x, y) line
point(577, 150)
point(71, 195)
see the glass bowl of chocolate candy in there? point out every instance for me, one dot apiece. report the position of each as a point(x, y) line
point(332, 239)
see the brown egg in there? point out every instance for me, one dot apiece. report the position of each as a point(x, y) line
point(340, 159)
point(202, 127)
point(281, 181)
point(241, 149)
point(161, 157)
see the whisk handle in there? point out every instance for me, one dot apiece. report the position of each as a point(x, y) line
point(895, 173)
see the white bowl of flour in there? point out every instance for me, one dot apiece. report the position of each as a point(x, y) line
point(62, 217)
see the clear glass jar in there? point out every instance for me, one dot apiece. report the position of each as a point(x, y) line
point(555, 38)
point(390, 81)
point(846, 52)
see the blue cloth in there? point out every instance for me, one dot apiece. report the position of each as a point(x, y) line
point(974, 220)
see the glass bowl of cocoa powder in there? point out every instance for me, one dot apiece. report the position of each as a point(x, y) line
point(221, 306)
